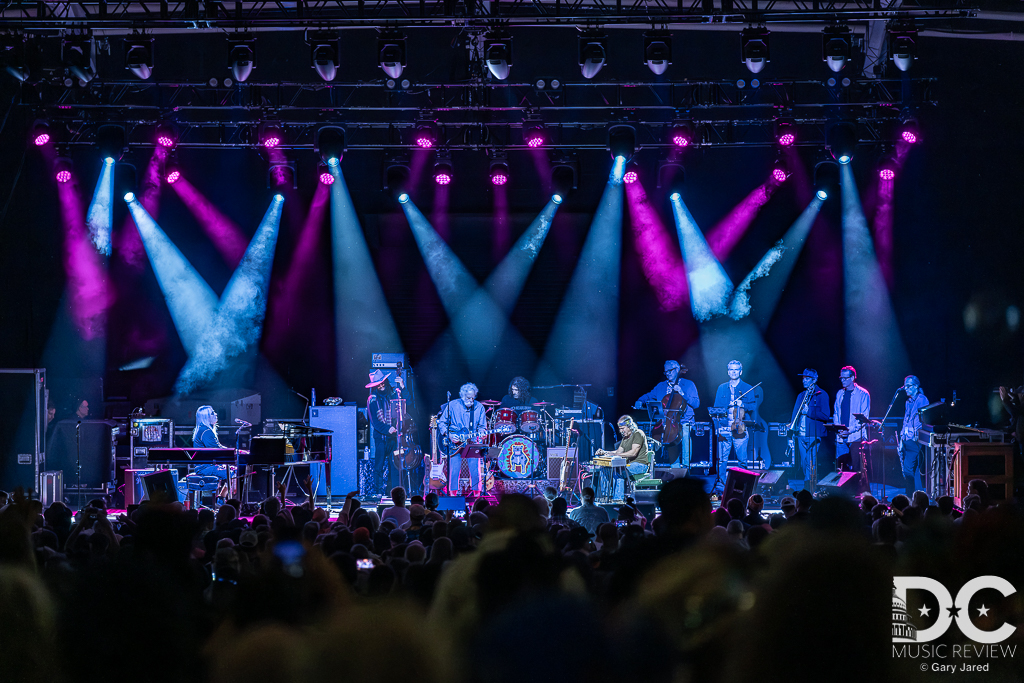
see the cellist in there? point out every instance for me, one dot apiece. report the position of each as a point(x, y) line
point(740, 403)
point(677, 452)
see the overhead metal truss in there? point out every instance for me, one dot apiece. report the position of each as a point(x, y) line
point(198, 15)
point(478, 115)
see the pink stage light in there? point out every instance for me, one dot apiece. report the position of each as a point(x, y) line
point(165, 141)
point(499, 178)
point(327, 178)
point(779, 175)
point(271, 142)
point(173, 177)
point(424, 141)
point(630, 177)
point(534, 140)
point(442, 178)
point(680, 140)
point(41, 139)
point(909, 137)
point(787, 139)
point(887, 174)
point(63, 176)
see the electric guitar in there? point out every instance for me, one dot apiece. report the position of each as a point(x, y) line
point(565, 458)
point(437, 477)
point(456, 439)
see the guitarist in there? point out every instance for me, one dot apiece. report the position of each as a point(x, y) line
point(466, 418)
point(378, 414)
point(676, 454)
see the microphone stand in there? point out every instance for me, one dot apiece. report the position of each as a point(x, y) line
point(885, 497)
point(448, 445)
point(78, 461)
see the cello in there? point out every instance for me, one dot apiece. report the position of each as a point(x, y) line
point(668, 430)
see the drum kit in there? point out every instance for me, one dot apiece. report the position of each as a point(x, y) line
point(517, 435)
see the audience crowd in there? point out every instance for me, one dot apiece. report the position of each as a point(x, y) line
point(522, 590)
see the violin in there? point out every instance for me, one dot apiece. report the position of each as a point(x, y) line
point(736, 415)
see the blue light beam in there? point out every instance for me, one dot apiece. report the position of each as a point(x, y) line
point(238, 324)
point(506, 282)
point(873, 341)
point(100, 217)
point(583, 345)
point(190, 300)
point(710, 287)
point(362, 319)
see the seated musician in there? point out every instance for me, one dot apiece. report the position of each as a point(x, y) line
point(633, 447)
point(518, 396)
point(205, 436)
point(463, 417)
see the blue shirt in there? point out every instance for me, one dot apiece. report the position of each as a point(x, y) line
point(911, 417)
point(688, 389)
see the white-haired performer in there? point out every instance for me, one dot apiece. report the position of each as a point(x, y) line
point(466, 418)
point(205, 436)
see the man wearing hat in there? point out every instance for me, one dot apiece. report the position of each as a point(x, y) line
point(378, 414)
point(807, 426)
point(677, 454)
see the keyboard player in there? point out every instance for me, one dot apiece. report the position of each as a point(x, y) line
point(205, 436)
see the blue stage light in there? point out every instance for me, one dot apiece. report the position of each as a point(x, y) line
point(403, 198)
point(333, 161)
point(129, 197)
point(556, 198)
point(279, 197)
point(109, 160)
point(822, 195)
point(675, 196)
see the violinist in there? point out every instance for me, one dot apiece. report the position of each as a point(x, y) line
point(739, 401)
point(807, 427)
point(676, 453)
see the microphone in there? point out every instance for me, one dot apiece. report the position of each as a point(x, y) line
point(243, 422)
point(299, 395)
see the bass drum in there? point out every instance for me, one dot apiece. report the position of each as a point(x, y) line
point(518, 458)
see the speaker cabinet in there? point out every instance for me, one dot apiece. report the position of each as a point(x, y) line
point(341, 420)
point(161, 486)
point(555, 456)
point(772, 482)
point(847, 482)
point(667, 474)
point(739, 483)
point(990, 462)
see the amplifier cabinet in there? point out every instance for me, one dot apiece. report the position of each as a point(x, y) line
point(555, 456)
point(990, 462)
point(341, 420)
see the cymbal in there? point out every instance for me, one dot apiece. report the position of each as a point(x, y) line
point(491, 403)
point(543, 403)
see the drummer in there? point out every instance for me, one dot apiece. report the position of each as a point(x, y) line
point(518, 397)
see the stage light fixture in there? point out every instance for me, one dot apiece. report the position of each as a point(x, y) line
point(62, 168)
point(241, 56)
point(534, 135)
point(166, 135)
point(173, 176)
point(79, 56)
point(499, 172)
point(391, 52)
point(593, 52)
point(111, 142)
point(887, 169)
point(826, 179)
point(836, 47)
point(138, 56)
point(631, 175)
point(909, 132)
point(564, 174)
point(12, 55)
point(403, 198)
point(444, 173)
point(670, 174)
point(172, 172)
point(841, 141)
point(325, 175)
point(498, 53)
point(425, 136)
point(556, 198)
point(785, 134)
point(658, 51)
point(40, 134)
point(396, 176)
point(902, 44)
point(754, 48)
point(330, 144)
point(681, 135)
point(323, 54)
point(271, 136)
point(622, 141)
point(780, 171)
point(675, 196)
point(129, 197)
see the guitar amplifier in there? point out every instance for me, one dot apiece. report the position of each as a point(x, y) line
point(555, 457)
